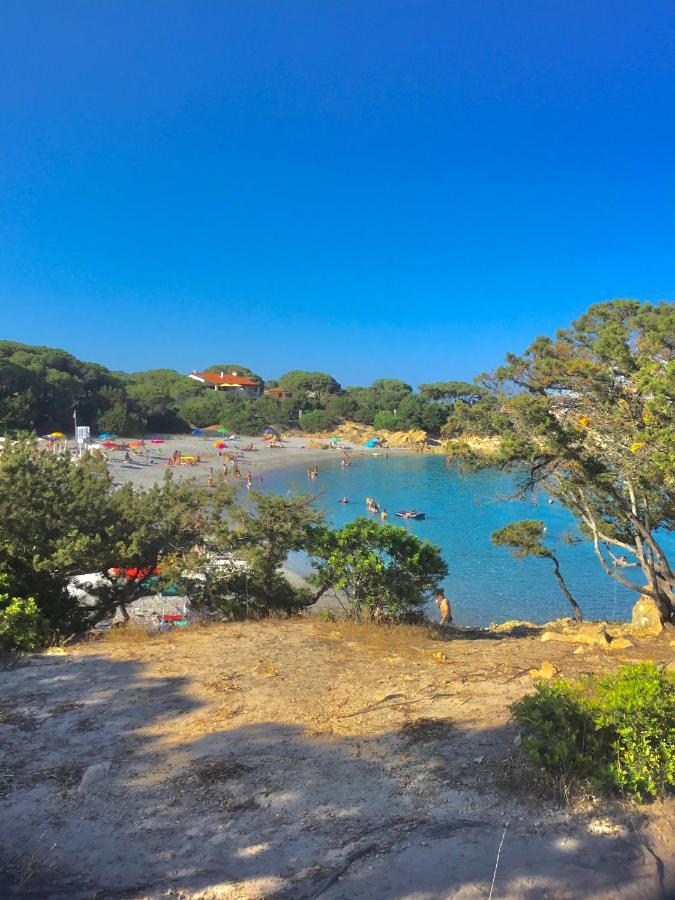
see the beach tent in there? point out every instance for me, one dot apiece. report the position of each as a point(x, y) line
point(270, 434)
point(106, 435)
point(372, 442)
point(221, 430)
point(197, 432)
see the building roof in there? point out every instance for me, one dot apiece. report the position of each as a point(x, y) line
point(278, 390)
point(223, 378)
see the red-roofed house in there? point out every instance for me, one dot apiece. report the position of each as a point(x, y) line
point(226, 381)
point(278, 393)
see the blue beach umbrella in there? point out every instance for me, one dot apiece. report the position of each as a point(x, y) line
point(197, 431)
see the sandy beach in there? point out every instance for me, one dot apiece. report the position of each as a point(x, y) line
point(263, 459)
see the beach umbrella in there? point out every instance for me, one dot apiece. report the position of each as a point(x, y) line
point(272, 431)
point(57, 434)
point(137, 444)
point(156, 441)
point(222, 430)
point(219, 444)
point(105, 434)
point(196, 431)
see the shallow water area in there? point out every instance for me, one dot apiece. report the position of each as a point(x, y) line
point(485, 583)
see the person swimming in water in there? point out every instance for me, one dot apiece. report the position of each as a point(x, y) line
point(343, 500)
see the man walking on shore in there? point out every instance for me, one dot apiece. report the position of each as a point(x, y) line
point(443, 605)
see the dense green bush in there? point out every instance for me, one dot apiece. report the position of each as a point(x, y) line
point(22, 626)
point(382, 570)
point(385, 420)
point(617, 732)
point(316, 420)
point(119, 419)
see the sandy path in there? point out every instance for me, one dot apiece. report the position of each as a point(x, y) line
point(267, 759)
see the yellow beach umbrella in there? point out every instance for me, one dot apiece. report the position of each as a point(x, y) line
point(57, 434)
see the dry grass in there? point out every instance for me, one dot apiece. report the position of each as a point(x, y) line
point(533, 785)
point(399, 640)
point(425, 730)
point(127, 636)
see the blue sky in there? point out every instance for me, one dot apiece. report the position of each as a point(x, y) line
point(369, 188)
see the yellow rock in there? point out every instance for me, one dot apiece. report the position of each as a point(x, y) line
point(620, 644)
point(548, 670)
point(646, 617)
point(592, 635)
point(511, 624)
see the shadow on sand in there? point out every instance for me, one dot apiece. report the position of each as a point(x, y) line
point(269, 809)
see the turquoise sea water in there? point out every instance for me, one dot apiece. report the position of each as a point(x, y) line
point(485, 583)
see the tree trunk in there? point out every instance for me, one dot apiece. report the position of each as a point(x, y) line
point(578, 617)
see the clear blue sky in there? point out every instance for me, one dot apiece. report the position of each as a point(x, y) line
point(370, 188)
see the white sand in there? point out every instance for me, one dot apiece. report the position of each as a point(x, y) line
point(295, 452)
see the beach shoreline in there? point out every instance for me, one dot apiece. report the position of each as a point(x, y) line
point(263, 460)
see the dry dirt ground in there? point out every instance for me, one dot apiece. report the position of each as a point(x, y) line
point(303, 759)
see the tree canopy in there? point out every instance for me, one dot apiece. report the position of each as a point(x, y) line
point(234, 368)
point(526, 538)
point(382, 569)
point(590, 414)
point(314, 383)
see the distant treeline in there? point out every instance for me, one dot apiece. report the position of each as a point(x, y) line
point(41, 387)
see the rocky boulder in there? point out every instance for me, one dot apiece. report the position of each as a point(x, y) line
point(590, 633)
point(646, 617)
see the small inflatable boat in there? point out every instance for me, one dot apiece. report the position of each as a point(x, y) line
point(410, 514)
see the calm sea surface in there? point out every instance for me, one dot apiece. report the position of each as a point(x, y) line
point(485, 583)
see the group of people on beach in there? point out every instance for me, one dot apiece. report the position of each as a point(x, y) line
point(178, 459)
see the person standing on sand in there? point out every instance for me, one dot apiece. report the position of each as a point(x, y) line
point(209, 480)
point(443, 605)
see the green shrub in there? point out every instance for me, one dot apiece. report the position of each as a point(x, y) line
point(22, 626)
point(617, 732)
point(316, 420)
point(385, 420)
